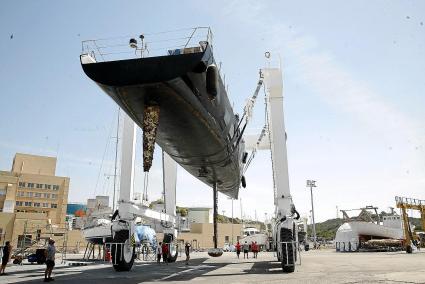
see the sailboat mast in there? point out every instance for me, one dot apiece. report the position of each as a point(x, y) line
point(116, 158)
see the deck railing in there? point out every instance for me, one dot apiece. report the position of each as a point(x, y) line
point(146, 44)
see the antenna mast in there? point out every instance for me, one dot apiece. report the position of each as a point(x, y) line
point(116, 159)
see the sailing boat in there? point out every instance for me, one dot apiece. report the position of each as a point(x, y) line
point(97, 229)
point(181, 103)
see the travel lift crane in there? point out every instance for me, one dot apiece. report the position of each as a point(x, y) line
point(123, 227)
point(404, 203)
point(285, 229)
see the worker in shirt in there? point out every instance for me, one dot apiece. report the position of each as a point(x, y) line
point(50, 260)
point(159, 253)
point(165, 252)
point(187, 252)
point(256, 249)
point(238, 249)
point(245, 250)
point(6, 257)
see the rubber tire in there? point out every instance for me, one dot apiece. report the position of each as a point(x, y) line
point(121, 264)
point(287, 236)
point(211, 81)
point(173, 258)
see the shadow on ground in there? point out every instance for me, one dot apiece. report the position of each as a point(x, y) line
point(152, 272)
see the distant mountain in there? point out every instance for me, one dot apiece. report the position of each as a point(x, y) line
point(326, 229)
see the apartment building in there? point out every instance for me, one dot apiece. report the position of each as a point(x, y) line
point(39, 190)
point(31, 190)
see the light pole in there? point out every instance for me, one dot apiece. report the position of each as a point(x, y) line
point(232, 221)
point(311, 184)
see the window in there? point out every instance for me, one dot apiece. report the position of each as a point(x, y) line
point(55, 187)
point(39, 185)
point(21, 193)
point(45, 205)
point(2, 191)
point(27, 203)
point(19, 203)
point(47, 186)
point(31, 185)
point(37, 204)
point(53, 205)
point(226, 239)
point(37, 194)
point(21, 184)
point(29, 194)
point(46, 195)
point(54, 196)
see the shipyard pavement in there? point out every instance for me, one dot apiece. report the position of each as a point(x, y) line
point(323, 266)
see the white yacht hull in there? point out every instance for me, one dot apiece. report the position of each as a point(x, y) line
point(98, 234)
point(348, 236)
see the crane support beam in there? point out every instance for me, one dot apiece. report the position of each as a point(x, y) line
point(128, 210)
point(128, 153)
point(169, 167)
point(405, 203)
point(274, 88)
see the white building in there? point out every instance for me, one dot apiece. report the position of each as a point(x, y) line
point(200, 215)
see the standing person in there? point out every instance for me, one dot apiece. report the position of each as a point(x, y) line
point(245, 250)
point(257, 248)
point(50, 260)
point(165, 252)
point(159, 253)
point(253, 249)
point(187, 251)
point(6, 257)
point(238, 249)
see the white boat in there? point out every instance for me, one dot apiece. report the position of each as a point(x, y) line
point(351, 235)
point(252, 234)
point(98, 232)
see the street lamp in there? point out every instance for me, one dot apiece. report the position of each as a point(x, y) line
point(232, 221)
point(311, 184)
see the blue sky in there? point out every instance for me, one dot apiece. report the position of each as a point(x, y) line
point(354, 93)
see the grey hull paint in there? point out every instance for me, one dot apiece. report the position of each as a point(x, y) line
point(200, 134)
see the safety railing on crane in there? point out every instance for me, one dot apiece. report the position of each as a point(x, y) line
point(409, 201)
point(147, 44)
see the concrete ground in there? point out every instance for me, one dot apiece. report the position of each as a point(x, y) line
point(325, 266)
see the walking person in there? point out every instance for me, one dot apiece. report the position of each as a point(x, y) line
point(6, 257)
point(253, 249)
point(50, 261)
point(165, 252)
point(187, 252)
point(245, 250)
point(159, 253)
point(238, 249)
